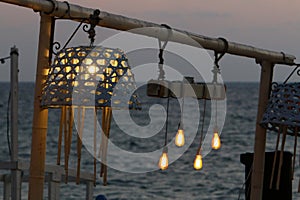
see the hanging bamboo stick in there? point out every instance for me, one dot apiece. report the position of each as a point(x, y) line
point(81, 114)
point(103, 142)
point(70, 129)
point(95, 145)
point(295, 151)
point(66, 132)
point(61, 127)
point(106, 121)
point(108, 133)
point(299, 181)
point(275, 158)
point(281, 156)
point(68, 143)
point(101, 146)
point(78, 145)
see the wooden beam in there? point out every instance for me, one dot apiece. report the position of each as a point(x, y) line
point(40, 116)
point(118, 22)
point(257, 177)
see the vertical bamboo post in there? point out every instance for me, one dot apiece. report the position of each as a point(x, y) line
point(40, 116)
point(260, 134)
point(15, 173)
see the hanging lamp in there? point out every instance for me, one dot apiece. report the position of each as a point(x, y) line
point(282, 115)
point(216, 141)
point(198, 163)
point(88, 77)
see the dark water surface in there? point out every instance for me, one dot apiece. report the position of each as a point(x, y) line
point(222, 176)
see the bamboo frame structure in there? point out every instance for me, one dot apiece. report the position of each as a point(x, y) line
point(118, 22)
point(70, 11)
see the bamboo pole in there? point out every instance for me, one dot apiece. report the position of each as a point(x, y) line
point(81, 114)
point(69, 142)
point(106, 122)
point(14, 87)
point(40, 116)
point(66, 137)
point(118, 22)
point(260, 134)
point(61, 127)
point(284, 132)
point(95, 145)
point(275, 158)
point(295, 151)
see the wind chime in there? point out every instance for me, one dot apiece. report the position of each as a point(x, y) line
point(283, 116)
point(85, 77)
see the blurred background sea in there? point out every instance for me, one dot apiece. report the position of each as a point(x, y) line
point(222, 176)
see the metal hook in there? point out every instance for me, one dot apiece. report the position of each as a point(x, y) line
point(219, 55)
point(93, 20)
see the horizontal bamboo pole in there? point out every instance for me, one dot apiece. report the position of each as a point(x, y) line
point(118, 22)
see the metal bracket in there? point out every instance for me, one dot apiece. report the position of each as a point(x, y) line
point(93, 20)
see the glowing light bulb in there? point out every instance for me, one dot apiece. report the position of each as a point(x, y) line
point(179, 138)
point(198, 162)
point(163, 161)
point(93, 69)
point(216, 142)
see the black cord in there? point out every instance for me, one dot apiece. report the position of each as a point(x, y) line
point(202, 127)
point(7, 124)
point(166, 134)
point(248, 176)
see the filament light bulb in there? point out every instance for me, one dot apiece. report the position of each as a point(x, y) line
point(179, 138)
point(216, 142)
point(93, 69)
point(198, 162)
point(163, 161)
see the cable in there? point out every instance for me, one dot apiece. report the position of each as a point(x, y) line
point(166, 134)
point(248, 176)
point(7, 124)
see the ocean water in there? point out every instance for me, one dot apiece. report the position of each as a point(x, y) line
point(222, 176)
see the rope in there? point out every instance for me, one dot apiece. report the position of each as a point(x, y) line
point(161, 52)
point(218, 56)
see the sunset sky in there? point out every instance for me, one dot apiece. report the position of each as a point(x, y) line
point(268, 24)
